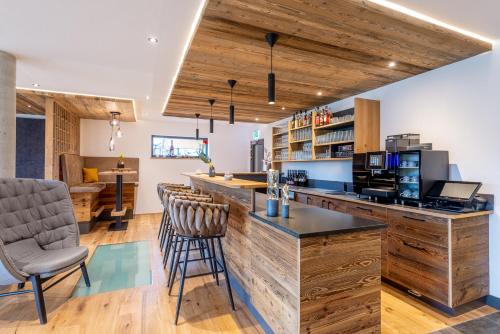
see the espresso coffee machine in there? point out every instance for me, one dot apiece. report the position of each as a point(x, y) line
point(374, 175)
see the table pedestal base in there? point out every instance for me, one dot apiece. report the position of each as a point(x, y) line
point(122, 226)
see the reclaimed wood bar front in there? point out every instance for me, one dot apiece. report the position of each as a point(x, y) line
point(316, 272)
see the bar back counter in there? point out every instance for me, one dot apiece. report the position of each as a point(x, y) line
point(317, 272)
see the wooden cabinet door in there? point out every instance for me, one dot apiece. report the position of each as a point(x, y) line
point(420, 266)
point(336, 205)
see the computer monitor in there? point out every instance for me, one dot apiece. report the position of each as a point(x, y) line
point(454, 190)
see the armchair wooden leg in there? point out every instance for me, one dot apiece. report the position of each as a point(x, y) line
point(39, 301)
point(85, 274)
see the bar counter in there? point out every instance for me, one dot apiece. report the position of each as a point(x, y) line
point(316, 272)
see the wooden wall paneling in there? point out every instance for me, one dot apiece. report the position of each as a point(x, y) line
point(340, 294)
point(64, 127)
point(49, 138)
point(84, 106)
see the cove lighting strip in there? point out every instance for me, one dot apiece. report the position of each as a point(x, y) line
point(423, 17)
point(194, 26)
point(81, 94)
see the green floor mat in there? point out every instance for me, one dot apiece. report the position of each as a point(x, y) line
point(117, 266)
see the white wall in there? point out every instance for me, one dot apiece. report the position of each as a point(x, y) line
point(457, 109)
point(229, 149)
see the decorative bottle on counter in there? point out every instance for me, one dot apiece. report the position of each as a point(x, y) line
point(285, 201)
point(272, 192)
point(121, 162)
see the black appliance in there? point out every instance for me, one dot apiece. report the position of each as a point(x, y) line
point(417, 171)
point(374, 175)
point(456, 196)
point(402, 142)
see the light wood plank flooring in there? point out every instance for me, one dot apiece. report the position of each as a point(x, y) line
point(205, 308)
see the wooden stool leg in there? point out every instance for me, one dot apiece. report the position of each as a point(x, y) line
point(228, 284)
point(181, 287)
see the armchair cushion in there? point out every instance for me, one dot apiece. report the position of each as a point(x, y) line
point(30, 258)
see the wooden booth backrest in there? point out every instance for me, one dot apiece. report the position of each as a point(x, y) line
point(107, 163)
point(72, 169)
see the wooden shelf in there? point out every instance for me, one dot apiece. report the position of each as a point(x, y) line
point(366, 124)
point(335, 143)
point(301, 127)
point(280, 133)
point(300, 141)
point(334, 125)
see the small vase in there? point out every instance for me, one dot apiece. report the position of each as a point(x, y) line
point(211, 171)
point(285, 211)
point(272, 207)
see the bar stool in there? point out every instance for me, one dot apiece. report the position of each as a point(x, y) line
point(198, 221)
point(160, 188)
point(168, 236)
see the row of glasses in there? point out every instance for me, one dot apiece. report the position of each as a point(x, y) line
point(304, 154)
point(335, 136)
point(281, 155)
point(344, 118)
point(281, 141)
point(324, 154)
point(302, 134)
point(344, 154)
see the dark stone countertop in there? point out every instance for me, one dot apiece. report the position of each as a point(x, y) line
point(308, 221)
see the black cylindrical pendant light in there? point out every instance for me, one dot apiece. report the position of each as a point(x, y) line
point(271, 39)
point(231, 106)
point(212, 101)
point(197, 130)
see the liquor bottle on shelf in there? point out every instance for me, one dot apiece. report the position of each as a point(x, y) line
point(316, 118)
point(327, 116)
point(293, 121)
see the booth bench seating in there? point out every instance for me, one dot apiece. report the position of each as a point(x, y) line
point(95, 201)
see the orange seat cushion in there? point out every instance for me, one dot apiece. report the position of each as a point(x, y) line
point(90, 175)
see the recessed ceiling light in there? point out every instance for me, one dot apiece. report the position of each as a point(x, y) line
point(283, 108)
point(153, 40)
point(271, 102)
point(29, 105)
point(392, 64)
point(319, 93)
point(256, 119)
point(36, 85)
point(147, 97)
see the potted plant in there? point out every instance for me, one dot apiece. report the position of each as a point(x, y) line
point(208, 161)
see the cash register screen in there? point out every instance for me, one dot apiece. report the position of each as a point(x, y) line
point(455, 190)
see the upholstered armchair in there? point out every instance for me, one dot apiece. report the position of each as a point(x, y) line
point(39, 236)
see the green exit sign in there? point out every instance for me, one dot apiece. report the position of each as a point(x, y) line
point(256, 134)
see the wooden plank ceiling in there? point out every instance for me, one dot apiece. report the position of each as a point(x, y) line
point(337, 47)
point(87, 107)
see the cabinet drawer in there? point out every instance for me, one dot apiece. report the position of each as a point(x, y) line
point(367, 211)
point(419, 266)
point(421, 227)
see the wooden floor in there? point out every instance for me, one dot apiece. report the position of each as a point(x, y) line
point(205, 309)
